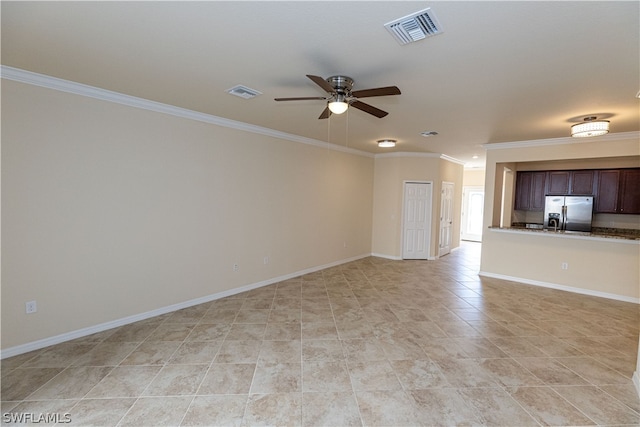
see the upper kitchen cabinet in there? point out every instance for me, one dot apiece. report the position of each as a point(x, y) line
point(629, 191)
point(608, 183)
point(538, 183)
point(582, 183)
point(571, 183)
point(615, 191)
point(618, 191)
point(558, 183)
point(523, 191)
point(530, 191)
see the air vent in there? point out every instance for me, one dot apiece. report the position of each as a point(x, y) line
point(414, 27)
point(243, 92)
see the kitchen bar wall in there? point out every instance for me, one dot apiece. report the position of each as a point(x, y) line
point(595, 267)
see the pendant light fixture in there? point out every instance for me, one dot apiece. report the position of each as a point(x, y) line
point(590, 127)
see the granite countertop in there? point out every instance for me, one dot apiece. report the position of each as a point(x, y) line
point(598, 232)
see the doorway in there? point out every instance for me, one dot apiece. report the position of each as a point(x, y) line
point(416, 220)
point(472, 213)
point(507, 197)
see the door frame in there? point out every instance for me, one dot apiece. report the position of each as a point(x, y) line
point(429, 232)
point(444, 250)
point(466, 189)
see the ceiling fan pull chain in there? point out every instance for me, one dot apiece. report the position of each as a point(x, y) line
point(347, 136)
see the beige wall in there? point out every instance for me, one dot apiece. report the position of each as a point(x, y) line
point(473, 178)
point(390, 174)
point(598, 267)
point(110, 211)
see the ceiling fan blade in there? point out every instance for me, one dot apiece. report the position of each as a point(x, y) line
point(302, 98)
point(379, 91)
point(369, 109)
point(325, 113)
point(322, 83)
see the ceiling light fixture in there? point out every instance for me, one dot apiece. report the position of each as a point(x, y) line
point(590, 127)
point(387, 143)
point(338, 105)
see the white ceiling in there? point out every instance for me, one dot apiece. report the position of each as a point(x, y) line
point(499, 72)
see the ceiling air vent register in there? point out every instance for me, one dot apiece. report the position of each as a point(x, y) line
point(414, 27)
point(243, 92)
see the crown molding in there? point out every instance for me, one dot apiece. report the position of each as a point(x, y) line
point(54, 83)
point(560, 141)
point(407, 154)
point(452, 159)
point(424, 155)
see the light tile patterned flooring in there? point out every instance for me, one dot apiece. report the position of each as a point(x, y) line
point(372, 342)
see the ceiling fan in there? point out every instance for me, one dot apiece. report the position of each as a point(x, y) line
point(341, 96)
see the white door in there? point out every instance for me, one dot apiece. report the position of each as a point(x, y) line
point(472, 213)
point(416, 220)
point(446, 218)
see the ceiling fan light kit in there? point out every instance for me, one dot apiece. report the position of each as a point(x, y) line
point(386, 143)
point(339, 105)
point(590, 127)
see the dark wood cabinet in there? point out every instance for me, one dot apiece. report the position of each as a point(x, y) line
point(523, 191)
point(530, 191)
point(629, 195)
point(606, 200)
point(615, 191)
point(582, 183)
point(558, 183)
point(538, 182)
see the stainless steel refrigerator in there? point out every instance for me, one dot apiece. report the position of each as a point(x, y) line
point(568, 213)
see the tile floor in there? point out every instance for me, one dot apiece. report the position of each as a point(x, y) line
point(373, 342)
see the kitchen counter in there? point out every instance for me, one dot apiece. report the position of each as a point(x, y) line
point(603, 234)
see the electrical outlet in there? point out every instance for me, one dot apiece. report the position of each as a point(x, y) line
point(31, 307)
point(564, 266)
point(266, 260)
point(236, 267)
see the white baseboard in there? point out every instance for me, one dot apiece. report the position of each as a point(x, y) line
point(398, 258)
point(391, 257)
point(79, 333)
point(562, 287)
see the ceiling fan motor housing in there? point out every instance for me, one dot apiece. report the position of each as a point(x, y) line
point(341, 84)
